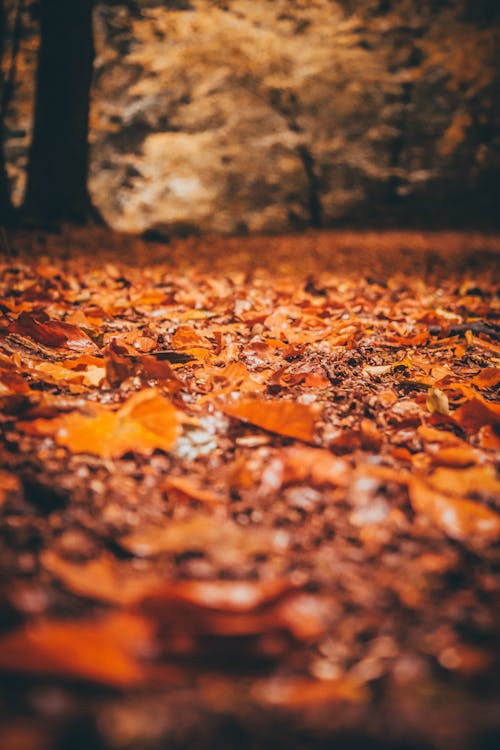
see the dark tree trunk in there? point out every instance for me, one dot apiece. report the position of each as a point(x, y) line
point(58, 161)
point(6, 208)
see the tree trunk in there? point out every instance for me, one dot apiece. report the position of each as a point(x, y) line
point(6, 208)
point(58, 160)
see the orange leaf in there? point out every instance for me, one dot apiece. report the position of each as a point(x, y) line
point(146, 422)
point(300, 692)
point(458, 518)
point(475, 413)
point(287, 418)
point(487, 378)
point(475, 480)
point(212, 536)
point(316, 464)
point(102, 579)
point(105, 651)
point(193, 490)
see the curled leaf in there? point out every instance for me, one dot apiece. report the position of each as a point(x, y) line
point(437, 401)
point(52, 333)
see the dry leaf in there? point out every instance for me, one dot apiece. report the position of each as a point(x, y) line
point(288, 418)
point(146, 422)
point(104, 651)
point(102, 579)
point(475, 413)
point(218, 538)
point(489, 377)
point(52, 333)
point(303, 463)
point(460, 519)
point(378, 370)
point(437, 401)
point(296, 692)
point(478, 480)
point(192, 489)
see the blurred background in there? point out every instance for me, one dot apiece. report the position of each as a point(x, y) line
point(250, 116)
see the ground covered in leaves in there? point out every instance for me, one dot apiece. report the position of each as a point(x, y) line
point(249, 494)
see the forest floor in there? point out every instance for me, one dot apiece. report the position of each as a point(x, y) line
point(249, 492)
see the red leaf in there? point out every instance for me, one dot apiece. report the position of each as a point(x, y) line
point(52, 333)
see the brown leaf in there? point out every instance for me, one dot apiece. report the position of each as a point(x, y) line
point(104, 651)
point(229, 610)
point(9, 484)
point(192, 489)
point(52, 333)
point(288, 418)
point(120, 365)
point(224, 596)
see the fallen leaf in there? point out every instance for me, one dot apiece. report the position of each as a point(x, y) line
point(220, 539)
point(459, 519)
point(378, 370)
point(102, 579)
point(288, 418)
point(146, 422)
point(297, 692)
point(317, 465)
point(475, 413)
point(9, 484)
point(437, 401)
point(477, 480)
point(192, 489)
point(106, 651)
point(489, 377)
point(52, 333)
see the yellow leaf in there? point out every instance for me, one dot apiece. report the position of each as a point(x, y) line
point(437, 401)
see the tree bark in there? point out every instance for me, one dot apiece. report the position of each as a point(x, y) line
point(58, 160)
point(6, 208)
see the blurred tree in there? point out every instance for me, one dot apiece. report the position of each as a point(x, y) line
point(6, 207)
point(58, 160)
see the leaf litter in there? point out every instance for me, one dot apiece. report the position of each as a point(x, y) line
point(237, 469)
